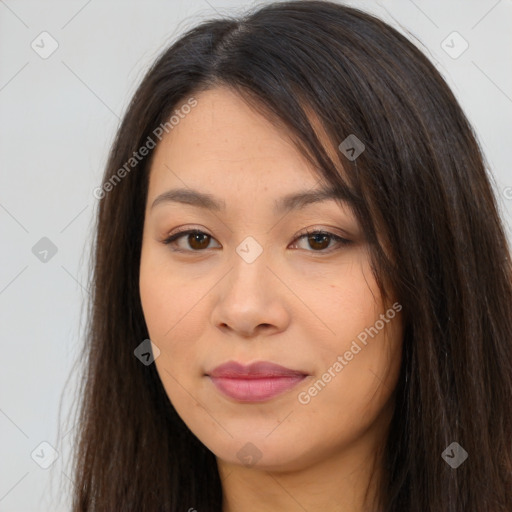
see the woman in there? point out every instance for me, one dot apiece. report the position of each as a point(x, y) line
point(302, 287)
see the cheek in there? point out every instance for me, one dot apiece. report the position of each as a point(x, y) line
point(358, 378)
point(359, 357)
point(167, 296)
point(157, 303)
point(173, 312)
point(343, 301)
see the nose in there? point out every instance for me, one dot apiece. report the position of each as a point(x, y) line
point(251, 301)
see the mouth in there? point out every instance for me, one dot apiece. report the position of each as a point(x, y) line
point(257, 382)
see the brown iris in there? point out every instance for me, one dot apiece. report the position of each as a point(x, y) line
point(199, 241)
point(315, 243)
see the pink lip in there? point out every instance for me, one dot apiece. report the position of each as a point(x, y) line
point(254, 383)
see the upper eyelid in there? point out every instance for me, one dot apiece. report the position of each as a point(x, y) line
point(301, 233)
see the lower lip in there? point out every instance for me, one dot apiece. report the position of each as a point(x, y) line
point(255, 390)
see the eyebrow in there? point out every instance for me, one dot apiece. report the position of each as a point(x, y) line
point(293, 201)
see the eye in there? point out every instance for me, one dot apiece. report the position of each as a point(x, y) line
point(321, 240)
point(198, 240)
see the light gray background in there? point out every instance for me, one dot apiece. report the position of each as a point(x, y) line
point(58, 117)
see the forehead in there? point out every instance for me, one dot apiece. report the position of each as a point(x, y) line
point(222, 140)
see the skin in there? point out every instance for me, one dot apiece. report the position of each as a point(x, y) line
point(298, 304)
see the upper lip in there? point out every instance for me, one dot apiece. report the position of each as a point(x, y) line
point(257, 370)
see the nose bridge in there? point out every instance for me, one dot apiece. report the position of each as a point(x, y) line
point(249, 271)
point(247, 298)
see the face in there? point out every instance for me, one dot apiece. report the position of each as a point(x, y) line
point(250, 285)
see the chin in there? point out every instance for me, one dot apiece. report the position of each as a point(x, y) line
point(263, 452)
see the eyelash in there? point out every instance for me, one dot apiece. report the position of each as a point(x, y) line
point(342, 242)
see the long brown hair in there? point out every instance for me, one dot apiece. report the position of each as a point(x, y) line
point(421, 185)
